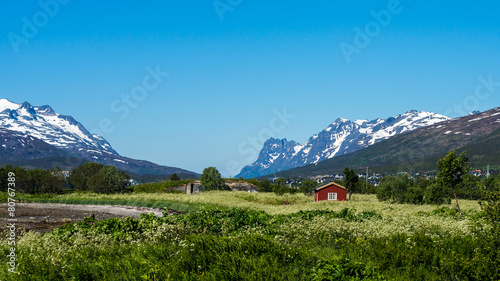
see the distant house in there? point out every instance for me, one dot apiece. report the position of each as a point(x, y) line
point(331, 191)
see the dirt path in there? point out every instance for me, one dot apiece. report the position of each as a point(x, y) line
point(43, 217)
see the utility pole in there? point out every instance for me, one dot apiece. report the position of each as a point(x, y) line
point(488, 171)
point(366, 178)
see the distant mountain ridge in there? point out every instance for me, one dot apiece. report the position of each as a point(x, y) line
point(419, 150)
point(37, 132)
point(341, 137)
point(42, 122)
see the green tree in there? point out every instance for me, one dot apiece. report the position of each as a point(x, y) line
point(414, 195)
point(470, 187)
point(4, 171)
point(280, 182)
point(265, 186)
point(108, 180)
point(212, 180)
point(81, 175)
point(280, 187)
point(396, 189)
point(52, 183)
point(451, 169)
point(489, 237)
point(174, 177)
point(35, 180)
point(351, 180)
point(490, 183)
point(437, 194)
point(307, 186)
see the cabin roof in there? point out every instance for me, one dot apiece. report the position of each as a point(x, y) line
point(328, 185)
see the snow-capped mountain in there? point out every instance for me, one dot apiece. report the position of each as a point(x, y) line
point(42, 122)
point(341, 137)
point(33, 132)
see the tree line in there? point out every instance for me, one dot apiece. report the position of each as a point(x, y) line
point(35, 180)
point(96, 177)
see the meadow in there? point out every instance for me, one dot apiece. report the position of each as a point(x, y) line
point(253, 236)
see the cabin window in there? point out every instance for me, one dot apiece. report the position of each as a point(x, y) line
point(332, 196)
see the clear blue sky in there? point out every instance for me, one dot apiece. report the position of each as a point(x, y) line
point(229, 69)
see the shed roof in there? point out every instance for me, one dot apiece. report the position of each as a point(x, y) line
point(328, 185)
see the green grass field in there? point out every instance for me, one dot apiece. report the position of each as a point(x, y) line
point(252, 236)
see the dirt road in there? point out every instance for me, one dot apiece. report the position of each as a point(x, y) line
point(43, 217)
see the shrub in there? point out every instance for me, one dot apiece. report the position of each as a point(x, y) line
point(80, 176)
point(108, 179)
point(307, 186)
point(394, 188)
point(414, 195)
point(211, 179)
point(437, 194)
point(174, 177)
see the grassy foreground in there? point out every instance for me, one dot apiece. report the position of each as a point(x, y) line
point(249, 236)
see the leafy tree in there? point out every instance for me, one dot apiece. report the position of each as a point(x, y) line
point(351, 180)
point(174, 177)
point(34, 181)
point(308, 186)
point(489, 237)
point(396, 188)
point(366, 187)
point(265, 186)
point(4, 177)
point(451, 169)
point(437, 194)
point(52, 183)
point(414, 195)
point(80, 176)
point(108, 180)
point(280, 182)
point(470, 187)
point(280, 187)
point(212, 180)
point(490, 183)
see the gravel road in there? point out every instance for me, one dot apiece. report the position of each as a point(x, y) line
point(43, 217)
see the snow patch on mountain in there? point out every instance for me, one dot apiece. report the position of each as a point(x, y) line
point(42, 122)
point(341, 137)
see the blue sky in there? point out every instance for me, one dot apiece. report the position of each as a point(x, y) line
point(233, 64)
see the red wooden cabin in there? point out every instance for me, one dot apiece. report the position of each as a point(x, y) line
point(331, 191)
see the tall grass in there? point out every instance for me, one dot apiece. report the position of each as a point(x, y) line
point(268, 202)
point(358, 240)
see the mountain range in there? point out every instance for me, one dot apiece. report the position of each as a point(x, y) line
point(37, 136)
point(418, 150)
point(339, 138)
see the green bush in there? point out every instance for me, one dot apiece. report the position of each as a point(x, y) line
point(414, 195)
point(34, 181)
point(80, 176)
point(488, 260)
point(108, 180)
point(394, 189)
point(437, 194)
point(211, 179)
point(343, 268)
point(307, 186)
